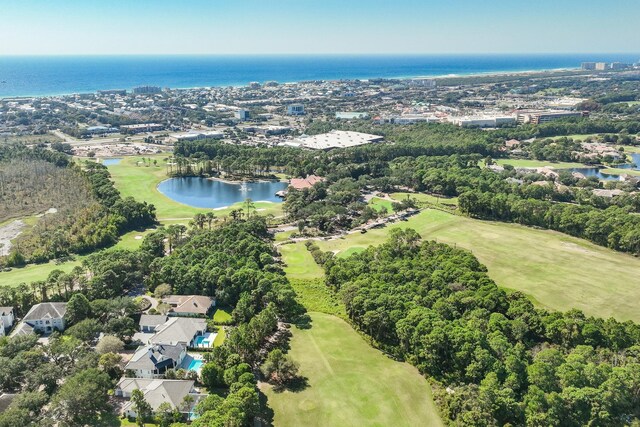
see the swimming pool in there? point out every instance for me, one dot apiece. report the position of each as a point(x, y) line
point(203, 341)
point(195, 365)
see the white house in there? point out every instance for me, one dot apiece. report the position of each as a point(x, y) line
point(43, 318)
point(7, 318)
point(153, 361)
point(156, 392)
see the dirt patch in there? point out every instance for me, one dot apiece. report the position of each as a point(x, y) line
point(9, 232)
point(575, 248)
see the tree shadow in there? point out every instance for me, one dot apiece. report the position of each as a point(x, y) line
point(296, 385)
point(266, 413)
point(303, 321)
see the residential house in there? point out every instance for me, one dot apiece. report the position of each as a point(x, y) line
point(43, 318)
point(7, 318)
point(156, 392)
point(189, 305)
point(149, 323)
point(180, 330)
point(153, 361)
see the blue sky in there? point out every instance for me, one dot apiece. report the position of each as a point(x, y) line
point(317, 26)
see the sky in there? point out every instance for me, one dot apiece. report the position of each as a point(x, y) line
point(67, 27)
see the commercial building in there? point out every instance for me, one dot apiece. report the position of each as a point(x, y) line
point(336, 139)
point(142, 127)
point(113, 92)
point(537, 117)
point(588, 66)
point(144, 90)
point(601, 66)
point(295, 110)
point(242, 115)
point(482, 121)
point(195, 136)
point(351, 115)
point(425, 83)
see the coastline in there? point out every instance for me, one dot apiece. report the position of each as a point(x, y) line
point(471, 74)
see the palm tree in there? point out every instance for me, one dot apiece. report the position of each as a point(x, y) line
point(249, 206)
point(211, 217)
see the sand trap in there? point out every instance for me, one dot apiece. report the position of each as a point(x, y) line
point(9, 232)
point(138, 237)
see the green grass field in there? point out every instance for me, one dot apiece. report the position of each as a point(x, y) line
point(350, 383)
point(558, 271)
point(316, 296)
point(33, 272)
point(221, 316)
point(377, 203)
point(426, 198)
point(300, 263)
point(526, 163)
point(141, 182)
point(615, 171)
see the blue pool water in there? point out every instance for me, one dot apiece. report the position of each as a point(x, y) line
point(195, 365)
point(110, 162)
point(202, 341)
point(56, 75)
point(208, 193)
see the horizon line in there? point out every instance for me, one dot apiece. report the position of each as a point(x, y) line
point(319, 54)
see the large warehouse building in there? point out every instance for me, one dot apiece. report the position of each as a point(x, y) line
point(336, 139)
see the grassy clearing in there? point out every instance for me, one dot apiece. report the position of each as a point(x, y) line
point(350, 383)
point(526, 163)
point(316, 296)
point(560, 272)
point(631, 148)
point(141, 182)
point(220, 337)
point(33, 272)
point(300, 263)
point(377, 203)
point(222, 316)
point(424, 199)
point(615, 171)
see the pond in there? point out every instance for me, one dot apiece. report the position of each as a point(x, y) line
point(110, 162)
point(587, 172)
point(210, 193)
point(634, 165)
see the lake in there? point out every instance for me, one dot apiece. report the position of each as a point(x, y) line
point(111, 162)
point(635, 162)
point(587, 172)
point(209, 193)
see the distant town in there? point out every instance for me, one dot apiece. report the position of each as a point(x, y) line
point(148, 118)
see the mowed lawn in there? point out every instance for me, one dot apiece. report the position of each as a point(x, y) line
point(558, 271)
point(141, 182)
point(525, 163)
point(349, 383)
point(33, 272)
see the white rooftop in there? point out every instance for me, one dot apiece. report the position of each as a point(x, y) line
point(337, 139)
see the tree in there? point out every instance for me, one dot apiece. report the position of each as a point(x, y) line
point(211, 376)
point(279, 368)
point(110, 363)
point(141, 407)
point(162, 291)
point(85, 330)
point(78, 308)
point(109, 344)
point(82, 399)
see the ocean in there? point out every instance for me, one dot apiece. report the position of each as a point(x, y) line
point(59, 75)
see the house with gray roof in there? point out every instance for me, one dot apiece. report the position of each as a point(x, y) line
point(43, 318)
point(153, 360)
point(189, 305)
point(179, 330)
point(156, 392)
point(149, 323)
